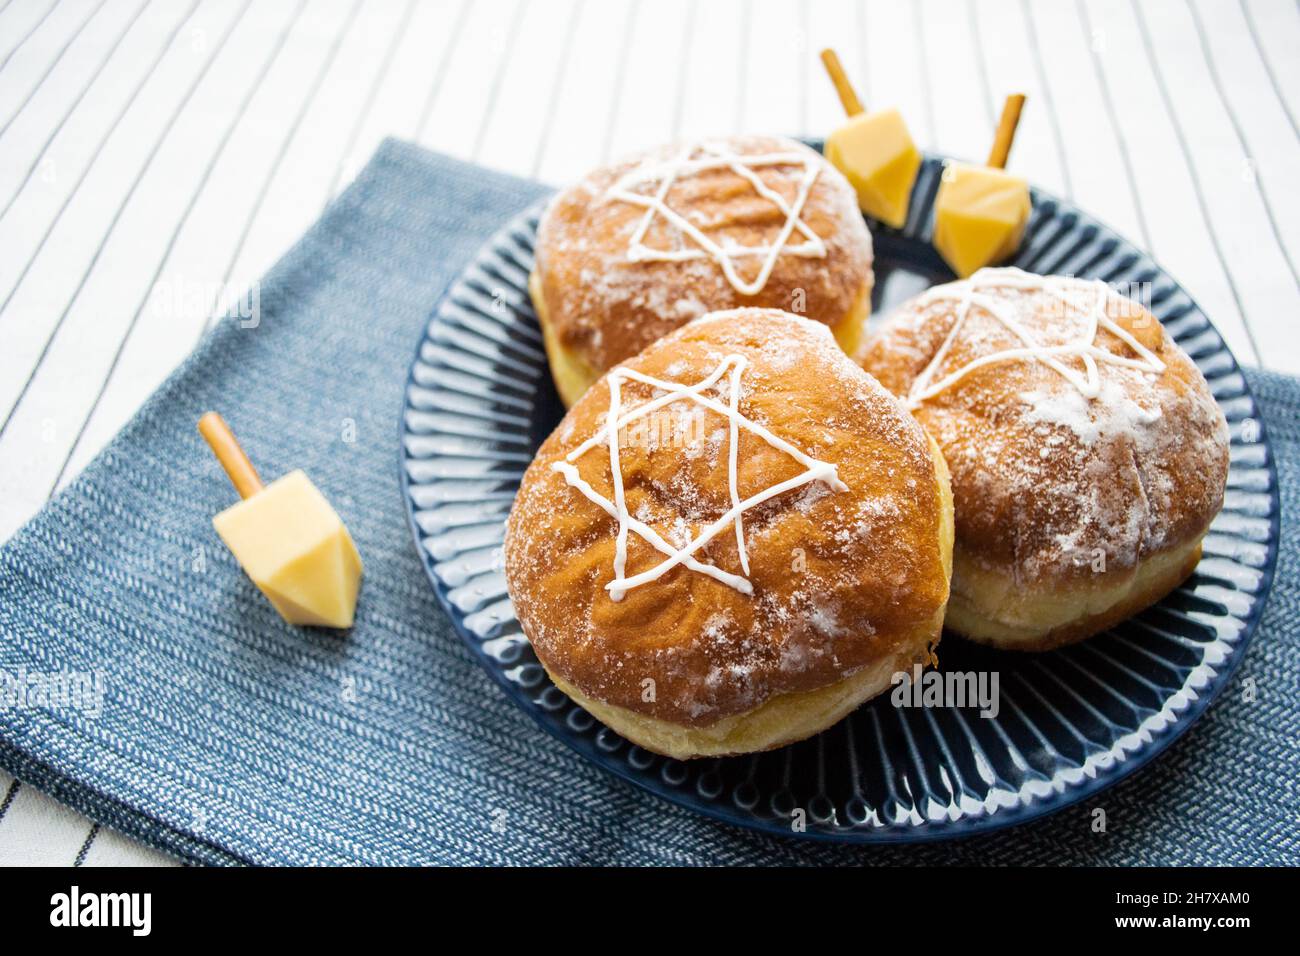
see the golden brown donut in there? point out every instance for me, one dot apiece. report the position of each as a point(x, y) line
point(603, 291)
point(847, 570)
point(1079, 500)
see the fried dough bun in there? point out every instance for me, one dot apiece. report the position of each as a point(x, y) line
point(847, 573)
point(1074, 511)
point(598, 306)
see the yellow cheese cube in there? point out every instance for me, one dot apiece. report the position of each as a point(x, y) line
point(293, 545)
point(876, 154)
point(979, 216)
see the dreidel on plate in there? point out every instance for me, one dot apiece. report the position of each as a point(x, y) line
point(286, 537)
point(873, 150)
point(981, 211)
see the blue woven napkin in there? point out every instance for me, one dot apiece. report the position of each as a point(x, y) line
point(219, 734)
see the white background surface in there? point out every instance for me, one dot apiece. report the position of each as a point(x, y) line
point(158, 155)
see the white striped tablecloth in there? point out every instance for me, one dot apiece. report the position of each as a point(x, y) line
point(156, 156)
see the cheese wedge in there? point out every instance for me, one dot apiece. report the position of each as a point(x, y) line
point(876, 154)
point(297, 551)
point(979, 216)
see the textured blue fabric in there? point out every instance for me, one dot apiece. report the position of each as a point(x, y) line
point(226, 736)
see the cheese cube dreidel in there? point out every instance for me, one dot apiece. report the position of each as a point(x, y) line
point(981, 211)
point(287, 538)
point(874, 151)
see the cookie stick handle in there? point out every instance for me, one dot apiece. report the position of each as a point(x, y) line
point(848, 98)
point(222, 441)
point(1006, 130)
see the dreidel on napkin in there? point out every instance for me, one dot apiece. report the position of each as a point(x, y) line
point(873, 150)
point(981, 211)
point(286, 537)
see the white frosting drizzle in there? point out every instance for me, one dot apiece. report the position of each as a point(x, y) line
point(968, 293)
point(717, 156)
point(617, 419)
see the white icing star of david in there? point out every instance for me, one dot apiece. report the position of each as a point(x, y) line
point(969, 293)
point(618, 418)
point(715, 156)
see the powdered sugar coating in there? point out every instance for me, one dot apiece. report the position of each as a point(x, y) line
point(840, 580)
point(1049, 483)
point(608, 308)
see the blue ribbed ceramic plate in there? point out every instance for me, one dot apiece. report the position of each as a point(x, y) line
point(479, 401)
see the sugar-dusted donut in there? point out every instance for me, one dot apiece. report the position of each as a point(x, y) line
point(1088, 456)
point(625, 561)
point(639, 248)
